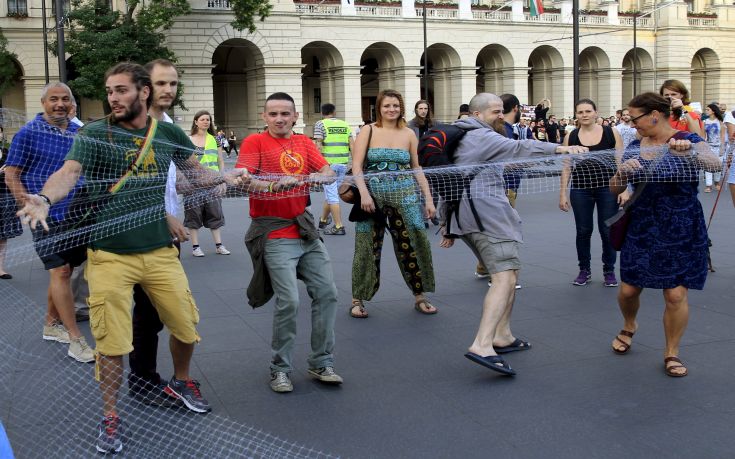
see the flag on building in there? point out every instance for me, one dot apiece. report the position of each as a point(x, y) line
point(537, 7)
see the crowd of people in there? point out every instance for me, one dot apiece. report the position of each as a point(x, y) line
point(665, 246)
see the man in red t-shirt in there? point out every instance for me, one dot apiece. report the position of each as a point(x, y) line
point(283, 241)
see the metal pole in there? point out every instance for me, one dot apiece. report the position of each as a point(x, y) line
point(45, 41)
point(635, 54)
point(60, 39)
point(575, 47)
point(425, 76)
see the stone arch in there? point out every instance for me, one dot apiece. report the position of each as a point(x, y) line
point(321, 64)
point(494, 65)
point(444, 96)
point(238, 84)
point(381, 67)
point(545, 75)
point(226, 33)
point(594, 82)
point(644, 80)
point(14, 99)
point(705, 76)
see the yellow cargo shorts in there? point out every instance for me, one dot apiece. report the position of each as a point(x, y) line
point(111, 278)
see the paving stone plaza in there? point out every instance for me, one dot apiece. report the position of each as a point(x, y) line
point(408, 391)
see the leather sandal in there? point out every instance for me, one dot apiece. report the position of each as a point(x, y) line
point(668, 368)
point(362, 314)
point(625, 346)
point(426, 309)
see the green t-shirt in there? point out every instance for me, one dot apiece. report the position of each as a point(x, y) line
point(133, 220)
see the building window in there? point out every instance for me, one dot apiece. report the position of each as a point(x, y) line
point(17, 8)
point(317, 100)
point(690, 6)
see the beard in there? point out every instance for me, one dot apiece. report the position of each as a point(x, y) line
point(517, 118)
point(498, 126)
point(130, 114)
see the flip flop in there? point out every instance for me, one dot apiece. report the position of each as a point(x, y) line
point(625, 346)
point(493, 362)
point(427, 305)
point(517, 345)
point(361, 308)
point(673, 367)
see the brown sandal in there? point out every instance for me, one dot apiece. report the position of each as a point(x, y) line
point(673, 367)
point(427, 307)
point(625, 346)
point(361, 308)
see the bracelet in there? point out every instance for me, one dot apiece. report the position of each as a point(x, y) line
point(45, 198)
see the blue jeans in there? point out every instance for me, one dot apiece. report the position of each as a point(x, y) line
point(583, 204)
point(286, 259)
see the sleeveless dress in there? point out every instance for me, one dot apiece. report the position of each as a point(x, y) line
point(666, 242)
point(398, 209)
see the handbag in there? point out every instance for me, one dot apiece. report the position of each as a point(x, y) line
point(348, 192)
point(618, 223)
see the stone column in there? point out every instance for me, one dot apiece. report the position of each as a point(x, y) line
point(609, 90)
point(463, 86)
point(565, 7)
point(515, 81)
point(408, 9)
point(198, 92)
point(465, 9)
point(33, 86)
point(348, 8)
point(559, 90)
point(612, 13)
point(408, 83)
point(516, 14)
point(444, 109)
point(348, 94)
point(674, 15)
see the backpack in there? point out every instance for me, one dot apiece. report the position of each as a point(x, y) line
point(436, 150)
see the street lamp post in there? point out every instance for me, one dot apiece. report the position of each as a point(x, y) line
point(637, 15)
point(425, 75)
point(575, 48)
point(45, 40)
point(59, 4)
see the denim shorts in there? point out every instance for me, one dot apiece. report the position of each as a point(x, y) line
point(331, 191)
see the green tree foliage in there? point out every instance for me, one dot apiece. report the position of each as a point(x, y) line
point(100, 37)
point(8, 69)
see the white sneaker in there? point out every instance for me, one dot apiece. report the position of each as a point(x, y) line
point(198, 252)
point(80, 351)
point(56, 332)
point(221, 250)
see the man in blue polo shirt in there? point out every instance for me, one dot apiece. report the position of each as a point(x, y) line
point(38, 150)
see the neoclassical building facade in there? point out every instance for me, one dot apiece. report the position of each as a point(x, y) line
point(344, 52)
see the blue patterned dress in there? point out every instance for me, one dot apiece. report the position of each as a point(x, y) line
point(666, 242)
point(397, 200)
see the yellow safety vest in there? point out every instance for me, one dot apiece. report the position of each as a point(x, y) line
point(336, 142)
point(210, 156)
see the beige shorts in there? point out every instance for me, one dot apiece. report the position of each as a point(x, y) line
point(497, 256)
point(111, 278)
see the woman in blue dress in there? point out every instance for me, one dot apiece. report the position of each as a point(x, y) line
point(665, 245)
point(389, 197)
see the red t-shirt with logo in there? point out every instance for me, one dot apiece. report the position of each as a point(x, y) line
point(263, 154)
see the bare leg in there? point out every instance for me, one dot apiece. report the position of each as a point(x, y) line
point(503, 335)
point(494, 307)
point(676, 317)
point(194, 236)
point(3, 248)
point(181, 355)
point(111, 372)
point(336, 214)
point(326, 208)
point(629, 300)
point(217, 236)
point(63, 299)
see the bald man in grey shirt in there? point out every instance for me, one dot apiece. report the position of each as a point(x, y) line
point(492, 229)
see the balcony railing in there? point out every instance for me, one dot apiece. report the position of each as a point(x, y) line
point(389, 11)
point(546, 17)
point(642, 22)
point(504, 16)
point(316, 8)
point(702, 22)
point(441, 13)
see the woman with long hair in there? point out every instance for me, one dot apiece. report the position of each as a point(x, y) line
point(421, 121)
point(203, 209)
point(714, 129)
point(665, 245)
point(390, 202)
point(590, 188)
point(683, 117)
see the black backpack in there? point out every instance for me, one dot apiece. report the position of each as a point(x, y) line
point(436, 151)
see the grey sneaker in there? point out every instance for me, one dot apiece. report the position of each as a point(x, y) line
point(189, 393)
point(110, 432)
point(56, 332)
point(326, 375)
point(222, 250)
point(280, 382)
point(80, 351)
point(334, 231)
point(198, 252)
